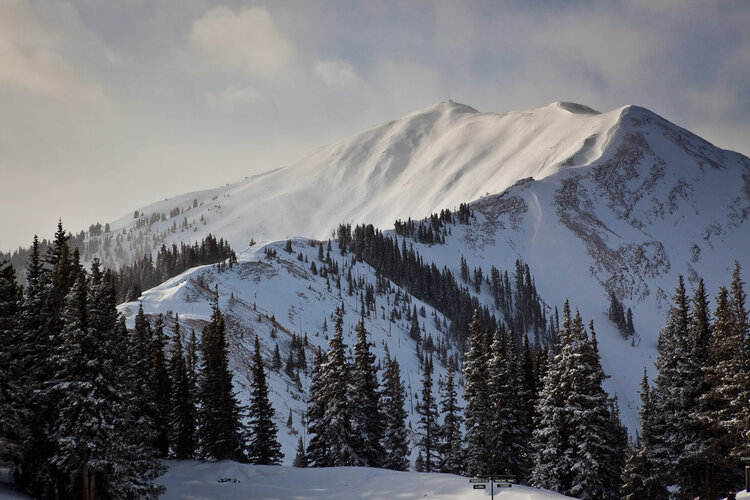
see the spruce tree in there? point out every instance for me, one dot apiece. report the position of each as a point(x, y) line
point(182, 407)
point(160, 387)
point(300, 459)
point(395, 438)
point(639, 478)
point(263, 448)
point(367, 420)
point(218, 422)
point(330, 412)
point(14, 395)
point(450, 447)
point(509, 419)
point(428, 421)
point(479, 451)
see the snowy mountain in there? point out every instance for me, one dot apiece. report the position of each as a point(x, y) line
point(595, 203)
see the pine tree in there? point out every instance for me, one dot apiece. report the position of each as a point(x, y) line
point(99, 445)
point(741, 330)
point(395, 439)
point(218, 422)
point(450, 447)
point(639, 478)
point(551, 437)
point(300, 459)
point(14, 414)
point(478, 415)
point(594, 467)
point(508, 423)
point(666, 405)
point(182, 408)
point(722, 405)
point(367, 420)
point(330, 411)
point(428, 421)
point(160, 387)
point(264, 448)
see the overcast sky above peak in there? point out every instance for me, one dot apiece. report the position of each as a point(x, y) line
point(108, 106)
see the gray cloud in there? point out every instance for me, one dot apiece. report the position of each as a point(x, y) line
point(107, 106)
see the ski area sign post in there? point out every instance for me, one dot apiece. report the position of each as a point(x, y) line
point(480, 483)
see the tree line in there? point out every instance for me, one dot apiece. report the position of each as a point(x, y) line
point(88, 407)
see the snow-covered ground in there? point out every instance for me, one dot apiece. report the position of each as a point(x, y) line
point(191, 480)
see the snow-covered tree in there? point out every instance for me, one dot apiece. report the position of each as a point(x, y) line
point(508, 418)
point(218, 422)
point(395, 439)
point(367, 420)
point(450, 447)
point(478, 413)
point(263, 448)
point(428, 421)
point(182, 402)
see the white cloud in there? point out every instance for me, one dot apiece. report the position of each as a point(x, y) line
point(336, 72)
point(247, 41)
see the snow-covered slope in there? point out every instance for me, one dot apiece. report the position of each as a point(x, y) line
point(229, 481)
point(435, 158)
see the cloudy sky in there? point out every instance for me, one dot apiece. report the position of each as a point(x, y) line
point(106, 106)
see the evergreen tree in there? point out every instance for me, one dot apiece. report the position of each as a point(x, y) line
point(450, 448)
point(478, 415)
point(219, 429)
point(509, 419)
point(553, 458)
point(330, 412)
point(182, 408)
point(428, 421)
point(97, 438)
point(666, 449)
point(160, 387)
point(264, 448)
point(367, 420)
point(14, 396)
point(300, 459)
point(395, 439)
point(639, 477)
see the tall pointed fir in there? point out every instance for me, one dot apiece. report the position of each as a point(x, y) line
point(14, 395)
point(509, 419)
point(639, 479)
point(478, 413)
point(330, 411)
point(263, 448)
point(666, 391)
point(395, 438)
point(160, 387)
point(367, 420)
point(723, 403)
point(48, 281)
point(596, 469)
point(450, 447)
point(428, 421)
point(182, 403)
point(741, 330)
point(551, 437)
point(219, 429)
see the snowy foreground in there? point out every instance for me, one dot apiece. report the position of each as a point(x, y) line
point(230, 480)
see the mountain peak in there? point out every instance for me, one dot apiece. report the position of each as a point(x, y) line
point(575, 108)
